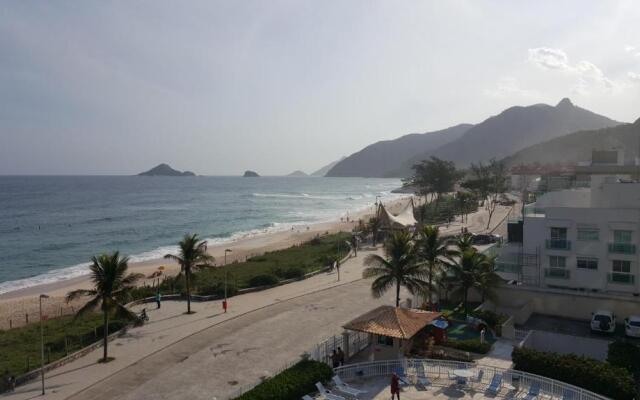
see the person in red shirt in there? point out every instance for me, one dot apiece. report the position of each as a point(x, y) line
point(395, 386)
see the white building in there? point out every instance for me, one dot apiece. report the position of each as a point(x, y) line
point(584, 239)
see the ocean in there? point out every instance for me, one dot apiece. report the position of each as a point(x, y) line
point(50, 226)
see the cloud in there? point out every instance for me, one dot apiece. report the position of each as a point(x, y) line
point(588, 75)
point(510, 87)
point(634, 76)
point(633, 50)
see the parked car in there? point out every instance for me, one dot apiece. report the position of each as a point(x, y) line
point(484, 238)
point(632, 326)
point(603, 321)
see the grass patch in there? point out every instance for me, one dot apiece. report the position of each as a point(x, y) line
point(21, 346)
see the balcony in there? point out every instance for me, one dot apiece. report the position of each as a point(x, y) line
point(621, 278)
point(622, 248)
point(558, 244)
point(557, 273)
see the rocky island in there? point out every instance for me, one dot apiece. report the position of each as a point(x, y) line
point(165, 170)
point(250, 174)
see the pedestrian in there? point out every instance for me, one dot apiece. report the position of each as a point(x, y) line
point(395, 386)
point(158, 299)
point(12, 383)
point(335, 361)
point(340, 356)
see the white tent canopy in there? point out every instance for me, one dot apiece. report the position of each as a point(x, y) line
point(404, 219)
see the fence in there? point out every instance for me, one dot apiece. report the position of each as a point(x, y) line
point(323, 350)
point(439, 370)
point(21, 318)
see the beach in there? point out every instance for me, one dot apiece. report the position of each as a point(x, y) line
point(18, 307)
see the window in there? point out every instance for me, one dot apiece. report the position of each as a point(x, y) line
point(557, 261)
point(621, 266)
point(588, 234)
point(621, 236)
point(558, 233)
point(587, 263)
point(385, 340)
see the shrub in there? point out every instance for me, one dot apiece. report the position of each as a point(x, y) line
point(217, 289)
point(292, 383)
point(472, 345)
point(290, 273)
point(263, 280)
point(490, 317)
point(625, 355)
point(596, 376)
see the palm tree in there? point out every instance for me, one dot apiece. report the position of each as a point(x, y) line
point(111, 290)
point(466, 268)
point(398, 267)
point(487, 280)
point(464, 242)
point(192, 255)
point(432, 251)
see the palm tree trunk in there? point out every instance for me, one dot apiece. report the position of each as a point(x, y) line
point(398, 294)
point(187, 277)
point(466, 292)
point(430, 287)
point(105, 338)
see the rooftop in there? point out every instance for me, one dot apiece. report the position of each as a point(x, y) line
point(401, 323)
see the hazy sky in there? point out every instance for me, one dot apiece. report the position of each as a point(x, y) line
point(115, 87)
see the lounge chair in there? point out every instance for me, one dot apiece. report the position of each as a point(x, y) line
point(404, 379)
point(324, 393)
point(421, 375)
point(534, 391)
point(344, 388)
point(495, 385)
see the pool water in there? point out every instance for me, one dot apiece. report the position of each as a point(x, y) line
point(463, 331)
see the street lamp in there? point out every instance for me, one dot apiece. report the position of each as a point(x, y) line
point(226, 273)
point(42, 296)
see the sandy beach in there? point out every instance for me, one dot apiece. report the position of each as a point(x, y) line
point(20, 306)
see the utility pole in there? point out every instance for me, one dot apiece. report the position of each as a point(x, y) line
point(226, 274)
point(42, 296)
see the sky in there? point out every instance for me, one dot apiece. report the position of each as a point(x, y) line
point(219, 87)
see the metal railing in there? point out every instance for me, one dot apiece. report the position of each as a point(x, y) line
point(438, 371)
point(621, 278)
point(622, 248)
point(558, 273)
point(558, 244)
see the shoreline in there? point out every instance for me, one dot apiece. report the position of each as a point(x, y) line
point(25, 300)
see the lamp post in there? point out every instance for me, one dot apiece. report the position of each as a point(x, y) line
point(42, 296)
point(226, 273)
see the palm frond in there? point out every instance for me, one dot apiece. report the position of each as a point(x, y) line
point(75, 294)
point(90, 306)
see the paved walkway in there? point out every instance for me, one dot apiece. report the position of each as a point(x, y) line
point(209, 354)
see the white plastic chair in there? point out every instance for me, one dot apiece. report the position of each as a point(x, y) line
point(344, 388)
point(325, 393)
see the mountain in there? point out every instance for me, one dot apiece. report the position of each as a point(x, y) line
point(250, 174)
point(165, 170)
point(378, 159)
point(577, 146)
point(513, 130)
point(323, 171)
point(298, 173)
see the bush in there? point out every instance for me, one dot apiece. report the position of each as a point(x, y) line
point(472, 345)
point(263, 280)
point(292, 383)
point(625, 355)
point(217, 289)
point(596, 376)
point(490, 317)
point(290, 273)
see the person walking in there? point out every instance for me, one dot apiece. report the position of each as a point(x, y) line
point(158, 299)
point(340, 357)
point(395, 386)
point(12, 383)
point(335, 361)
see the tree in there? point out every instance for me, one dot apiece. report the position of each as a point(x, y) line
point(466, 268)
point(432, 250)
point(487, 280)
point(192, 256)
point(489, 182)
point(398, 267)
point(465, 202)
point(433, 176)
point(111, 290)
point(464, 242)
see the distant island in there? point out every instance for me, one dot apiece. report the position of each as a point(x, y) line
point(165, 170)
point(250, 174)
point(298, 173)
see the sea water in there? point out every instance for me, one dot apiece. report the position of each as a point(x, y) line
point(50, 226)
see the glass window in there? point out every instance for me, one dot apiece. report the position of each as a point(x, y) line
point(587, 263)
point(558, 233)
point(557, 261)
point(588, 234)
point(621, 236)
point(622, 266)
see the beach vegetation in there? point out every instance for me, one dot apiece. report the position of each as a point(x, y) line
point(447, 208)
point(397, 268)
point(111, 292)
point(488, 182)
point(264, 280)
point(192, 256)
point(433, 177)
point(433, 251)
point(472, 269)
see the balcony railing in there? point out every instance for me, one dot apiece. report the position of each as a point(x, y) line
point(558, 244)
point(621, 278)
point(559, 273)
point(622, 248)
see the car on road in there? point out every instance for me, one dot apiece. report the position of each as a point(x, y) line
point(632, 326)
point(603, 321)
point(484, 238)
